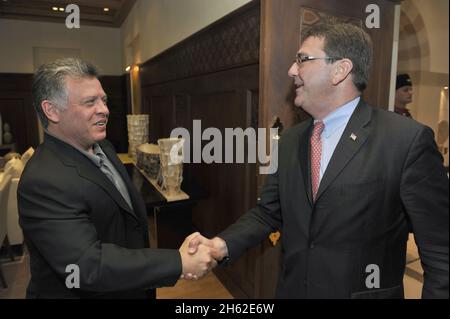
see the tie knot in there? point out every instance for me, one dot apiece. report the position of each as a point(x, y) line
point(318, 128)
point(101, 158)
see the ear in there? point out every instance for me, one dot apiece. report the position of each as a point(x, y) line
point(342, 70)
point(51, 111)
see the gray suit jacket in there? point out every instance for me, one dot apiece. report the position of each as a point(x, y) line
point(388, 180)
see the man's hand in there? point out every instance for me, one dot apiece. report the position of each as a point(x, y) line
point(198, 264)
point(219, 249)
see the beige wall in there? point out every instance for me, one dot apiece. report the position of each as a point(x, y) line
point(435, 18)
point(155, 25)
point(101, 46)
point(423, 53)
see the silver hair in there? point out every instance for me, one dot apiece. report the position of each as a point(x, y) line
point(49, 83)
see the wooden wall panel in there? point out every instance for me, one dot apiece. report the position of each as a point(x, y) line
point(226, 99)
point(116, 89)
point(231, 42)
point(213, 76)
point(162, 116)
point(17, 109)
point(226, 182)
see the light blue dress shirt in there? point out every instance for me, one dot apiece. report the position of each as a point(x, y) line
point(335, 124)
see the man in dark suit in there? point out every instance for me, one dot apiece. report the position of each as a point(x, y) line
point(84, 222)
point(350, 183)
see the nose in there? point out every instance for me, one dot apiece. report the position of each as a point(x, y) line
point(102, 108)
point(293, 71)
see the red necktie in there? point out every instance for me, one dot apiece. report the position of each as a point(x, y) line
point(316, 155)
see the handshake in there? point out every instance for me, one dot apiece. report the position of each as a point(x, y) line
point(199, 255)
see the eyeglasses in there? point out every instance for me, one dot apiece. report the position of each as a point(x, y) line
point(299, 59)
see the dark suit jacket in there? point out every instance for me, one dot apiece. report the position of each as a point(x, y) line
point(374, 187)
point(71, 213)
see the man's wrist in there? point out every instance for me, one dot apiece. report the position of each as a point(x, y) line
point(223, 260)
point(223, 249)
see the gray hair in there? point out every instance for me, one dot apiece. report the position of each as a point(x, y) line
point(346, 40)
point(49, 83)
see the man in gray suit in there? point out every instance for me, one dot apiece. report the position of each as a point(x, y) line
point(79, 211)
point(350, 183)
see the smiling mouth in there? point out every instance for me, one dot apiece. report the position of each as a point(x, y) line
point(298, 87)
point(101, 123)
point(297, 84)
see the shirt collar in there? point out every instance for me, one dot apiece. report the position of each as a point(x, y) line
point(98, 157)
point(339, 117)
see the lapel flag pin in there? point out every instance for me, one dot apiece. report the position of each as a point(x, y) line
point(353, 136)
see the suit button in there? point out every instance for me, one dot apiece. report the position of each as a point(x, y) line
point(311, 245)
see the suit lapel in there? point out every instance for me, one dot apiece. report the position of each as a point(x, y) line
point(117, 164)
point(299, 180)
point(95, 175)
point(87, 170)
point(125, 177)
point(305, 162)
point(353, 138)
